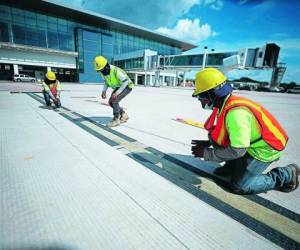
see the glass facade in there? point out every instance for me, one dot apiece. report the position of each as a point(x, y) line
point(217, 58)
point(135, 63)
point(89, 44)
point(125, 43)
point(39, 29)
point(214, 59)
point(34, 29)
point(31, 28)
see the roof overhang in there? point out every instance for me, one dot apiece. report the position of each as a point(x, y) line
point(92, 18)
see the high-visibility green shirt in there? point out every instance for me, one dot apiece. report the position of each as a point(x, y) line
point(243, 128)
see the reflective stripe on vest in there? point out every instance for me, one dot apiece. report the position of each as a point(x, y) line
point(113, 80)
point(271, 131)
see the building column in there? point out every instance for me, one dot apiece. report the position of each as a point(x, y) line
point(174, 81)
point(176, 78)
point(184, 82)
point(156, 78)
point(135, 79)
point(150, 80)
point(16, 69)
point(163, 81)
point(145, 81)
point(48, 68)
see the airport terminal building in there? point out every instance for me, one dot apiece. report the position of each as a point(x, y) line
point(36, 36)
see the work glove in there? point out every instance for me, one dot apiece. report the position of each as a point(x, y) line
point(103, 95)
point(57, 102)
point(198, 147)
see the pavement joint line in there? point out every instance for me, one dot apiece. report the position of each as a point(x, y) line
point(118, 186)
point(284, 239)
point(246, 220)
point(264, 202)
point(281, 223)
point(255, 198)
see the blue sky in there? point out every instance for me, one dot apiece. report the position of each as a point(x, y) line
point(219, 24)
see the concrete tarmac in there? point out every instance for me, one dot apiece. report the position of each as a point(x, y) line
point(68, 182)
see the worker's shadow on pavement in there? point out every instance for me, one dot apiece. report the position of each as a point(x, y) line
point(183, 168)
point(204, 169)
point(103, 120)
point(43, 107)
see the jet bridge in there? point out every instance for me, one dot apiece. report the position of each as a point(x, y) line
point(149, 62)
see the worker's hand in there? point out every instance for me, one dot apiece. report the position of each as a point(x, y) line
point(103, 95)
point(204, 143)
point(114, 96)
point(198, 147)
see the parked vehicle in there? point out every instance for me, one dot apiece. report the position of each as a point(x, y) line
point(295, 90)
point(23, 78)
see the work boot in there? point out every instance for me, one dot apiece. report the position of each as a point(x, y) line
point(115, 122)
point(294, 183)
point(124, 117)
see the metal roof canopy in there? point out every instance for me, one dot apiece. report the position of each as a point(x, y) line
point(92, 18)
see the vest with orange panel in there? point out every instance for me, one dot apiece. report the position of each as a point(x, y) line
point(53, 88)
point(271, 131)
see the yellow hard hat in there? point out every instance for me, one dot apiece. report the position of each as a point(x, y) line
point(207, 79)
point(99, 62)
point(50, 75)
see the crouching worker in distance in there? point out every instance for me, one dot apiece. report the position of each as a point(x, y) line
point(121, 84)
point(51, 90)
point(243, 135)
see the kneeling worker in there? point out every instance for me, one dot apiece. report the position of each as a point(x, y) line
point(244, 135)
point(121, 84)
point(51, 89)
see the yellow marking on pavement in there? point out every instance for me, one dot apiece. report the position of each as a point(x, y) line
point(190, 122)
point(265, 215)
point(274, 220)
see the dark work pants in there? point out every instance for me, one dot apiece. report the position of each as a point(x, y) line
point(47, 98)
point(48, 102)
point(117, 110)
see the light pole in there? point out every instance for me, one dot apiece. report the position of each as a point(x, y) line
point(204, 57)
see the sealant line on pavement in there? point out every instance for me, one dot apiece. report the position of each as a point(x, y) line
point(257, 226)
point(255, 198)
point(260, 200)
point(275, 227)
point(276, 221)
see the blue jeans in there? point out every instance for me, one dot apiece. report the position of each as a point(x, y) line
point(48, 102)
point(247, 176)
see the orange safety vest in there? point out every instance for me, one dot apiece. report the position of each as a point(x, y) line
point(53, 89)
point(271, 131)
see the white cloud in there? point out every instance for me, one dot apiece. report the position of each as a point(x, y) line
point(189, 30)
point(213, 4)
point(150, 14)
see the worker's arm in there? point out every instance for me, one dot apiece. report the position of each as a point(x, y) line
point(58, 90)
point(105, 87)
point(47, 89)
point(238, 124)
point(220, 154)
